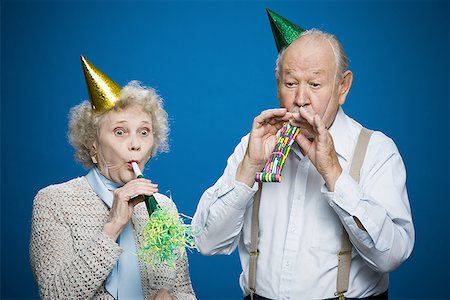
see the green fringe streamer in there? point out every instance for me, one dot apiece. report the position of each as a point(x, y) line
point(165, 238)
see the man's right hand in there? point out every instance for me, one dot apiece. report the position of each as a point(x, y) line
point(261, 143)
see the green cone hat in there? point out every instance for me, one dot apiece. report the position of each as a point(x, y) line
point(284, 31)
point(103, 91)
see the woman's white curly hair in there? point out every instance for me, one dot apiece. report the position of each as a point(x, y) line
point(84, 122)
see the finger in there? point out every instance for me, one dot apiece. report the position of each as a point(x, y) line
point(125, 194)
point(307, 116)
point(137, 181)
point(303, 142)
point(320, 128)
point(269, 114)
point(136, 200)
point(301, 124)
point(278, 120)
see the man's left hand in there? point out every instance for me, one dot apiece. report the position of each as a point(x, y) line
point(320, 148)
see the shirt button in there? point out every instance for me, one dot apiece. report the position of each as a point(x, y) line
point(331, 204)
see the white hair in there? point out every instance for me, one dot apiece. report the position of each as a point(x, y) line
point(338, 51)
point(84, 122)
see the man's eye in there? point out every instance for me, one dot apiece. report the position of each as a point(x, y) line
point(119, 132)
point(290, 84)
point(314, 84)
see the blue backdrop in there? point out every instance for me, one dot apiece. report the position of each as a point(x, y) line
point(213, 63)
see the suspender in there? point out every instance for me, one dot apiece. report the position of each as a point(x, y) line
point(344, 256)
point(254, 242)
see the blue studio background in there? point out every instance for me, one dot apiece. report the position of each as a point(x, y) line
point(213, 63)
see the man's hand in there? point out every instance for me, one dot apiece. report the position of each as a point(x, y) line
point(261, 143)
point(320, 149)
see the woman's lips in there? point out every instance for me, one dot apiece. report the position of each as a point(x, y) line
point(129, 166)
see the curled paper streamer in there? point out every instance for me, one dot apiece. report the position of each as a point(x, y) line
point(272, 170)
point(166, 238)
point(165, 234)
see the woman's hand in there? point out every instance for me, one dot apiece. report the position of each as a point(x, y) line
point(261, 143)
point(124, 200)
point(163, 294)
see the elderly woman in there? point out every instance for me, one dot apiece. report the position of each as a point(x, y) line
point(86, 232)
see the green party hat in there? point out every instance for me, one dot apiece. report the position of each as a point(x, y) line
point(284, 31)
point(103, 91)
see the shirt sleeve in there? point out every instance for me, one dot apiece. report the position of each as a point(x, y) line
point(219, 217)
point(60, 272)
point(380, 202)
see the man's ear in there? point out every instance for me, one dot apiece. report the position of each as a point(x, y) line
point(344, 86)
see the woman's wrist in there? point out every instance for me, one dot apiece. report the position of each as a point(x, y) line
point(112, 230)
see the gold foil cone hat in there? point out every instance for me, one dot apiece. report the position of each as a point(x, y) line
point(103, 91)
point(284, 31)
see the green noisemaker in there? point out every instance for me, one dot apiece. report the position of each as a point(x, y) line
point(284, 31)
point(150, 201)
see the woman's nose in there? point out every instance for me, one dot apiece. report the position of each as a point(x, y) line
point(135, 144)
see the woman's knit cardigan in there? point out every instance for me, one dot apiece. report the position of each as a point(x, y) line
point(71, 257)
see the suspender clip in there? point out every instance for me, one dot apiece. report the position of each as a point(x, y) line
point(252, 294)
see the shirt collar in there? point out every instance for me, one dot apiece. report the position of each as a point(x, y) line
point(342, 132)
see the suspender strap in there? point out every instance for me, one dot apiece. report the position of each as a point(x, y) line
point(254, 242)
point(344, 256)
point(360, 153)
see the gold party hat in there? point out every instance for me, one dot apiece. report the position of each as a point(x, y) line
point(284, 31)
point(103, 92)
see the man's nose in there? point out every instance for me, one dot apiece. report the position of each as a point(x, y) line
point(302, 96)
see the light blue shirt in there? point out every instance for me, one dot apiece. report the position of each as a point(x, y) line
point(124, 281)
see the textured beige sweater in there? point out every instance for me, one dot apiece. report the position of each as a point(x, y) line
point(71, 258)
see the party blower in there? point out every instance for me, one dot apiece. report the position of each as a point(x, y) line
point(274, 166)
point(165, 235)
point(150, 201)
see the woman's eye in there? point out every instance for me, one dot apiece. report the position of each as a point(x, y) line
point(119, 132)
point(145, 132)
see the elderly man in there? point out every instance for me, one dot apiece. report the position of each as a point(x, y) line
point(323, 232)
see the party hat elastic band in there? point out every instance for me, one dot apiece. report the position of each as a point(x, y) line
point(103, 91)
point(284, 31)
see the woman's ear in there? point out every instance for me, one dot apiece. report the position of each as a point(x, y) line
point(345, 85)
point(93, 152)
